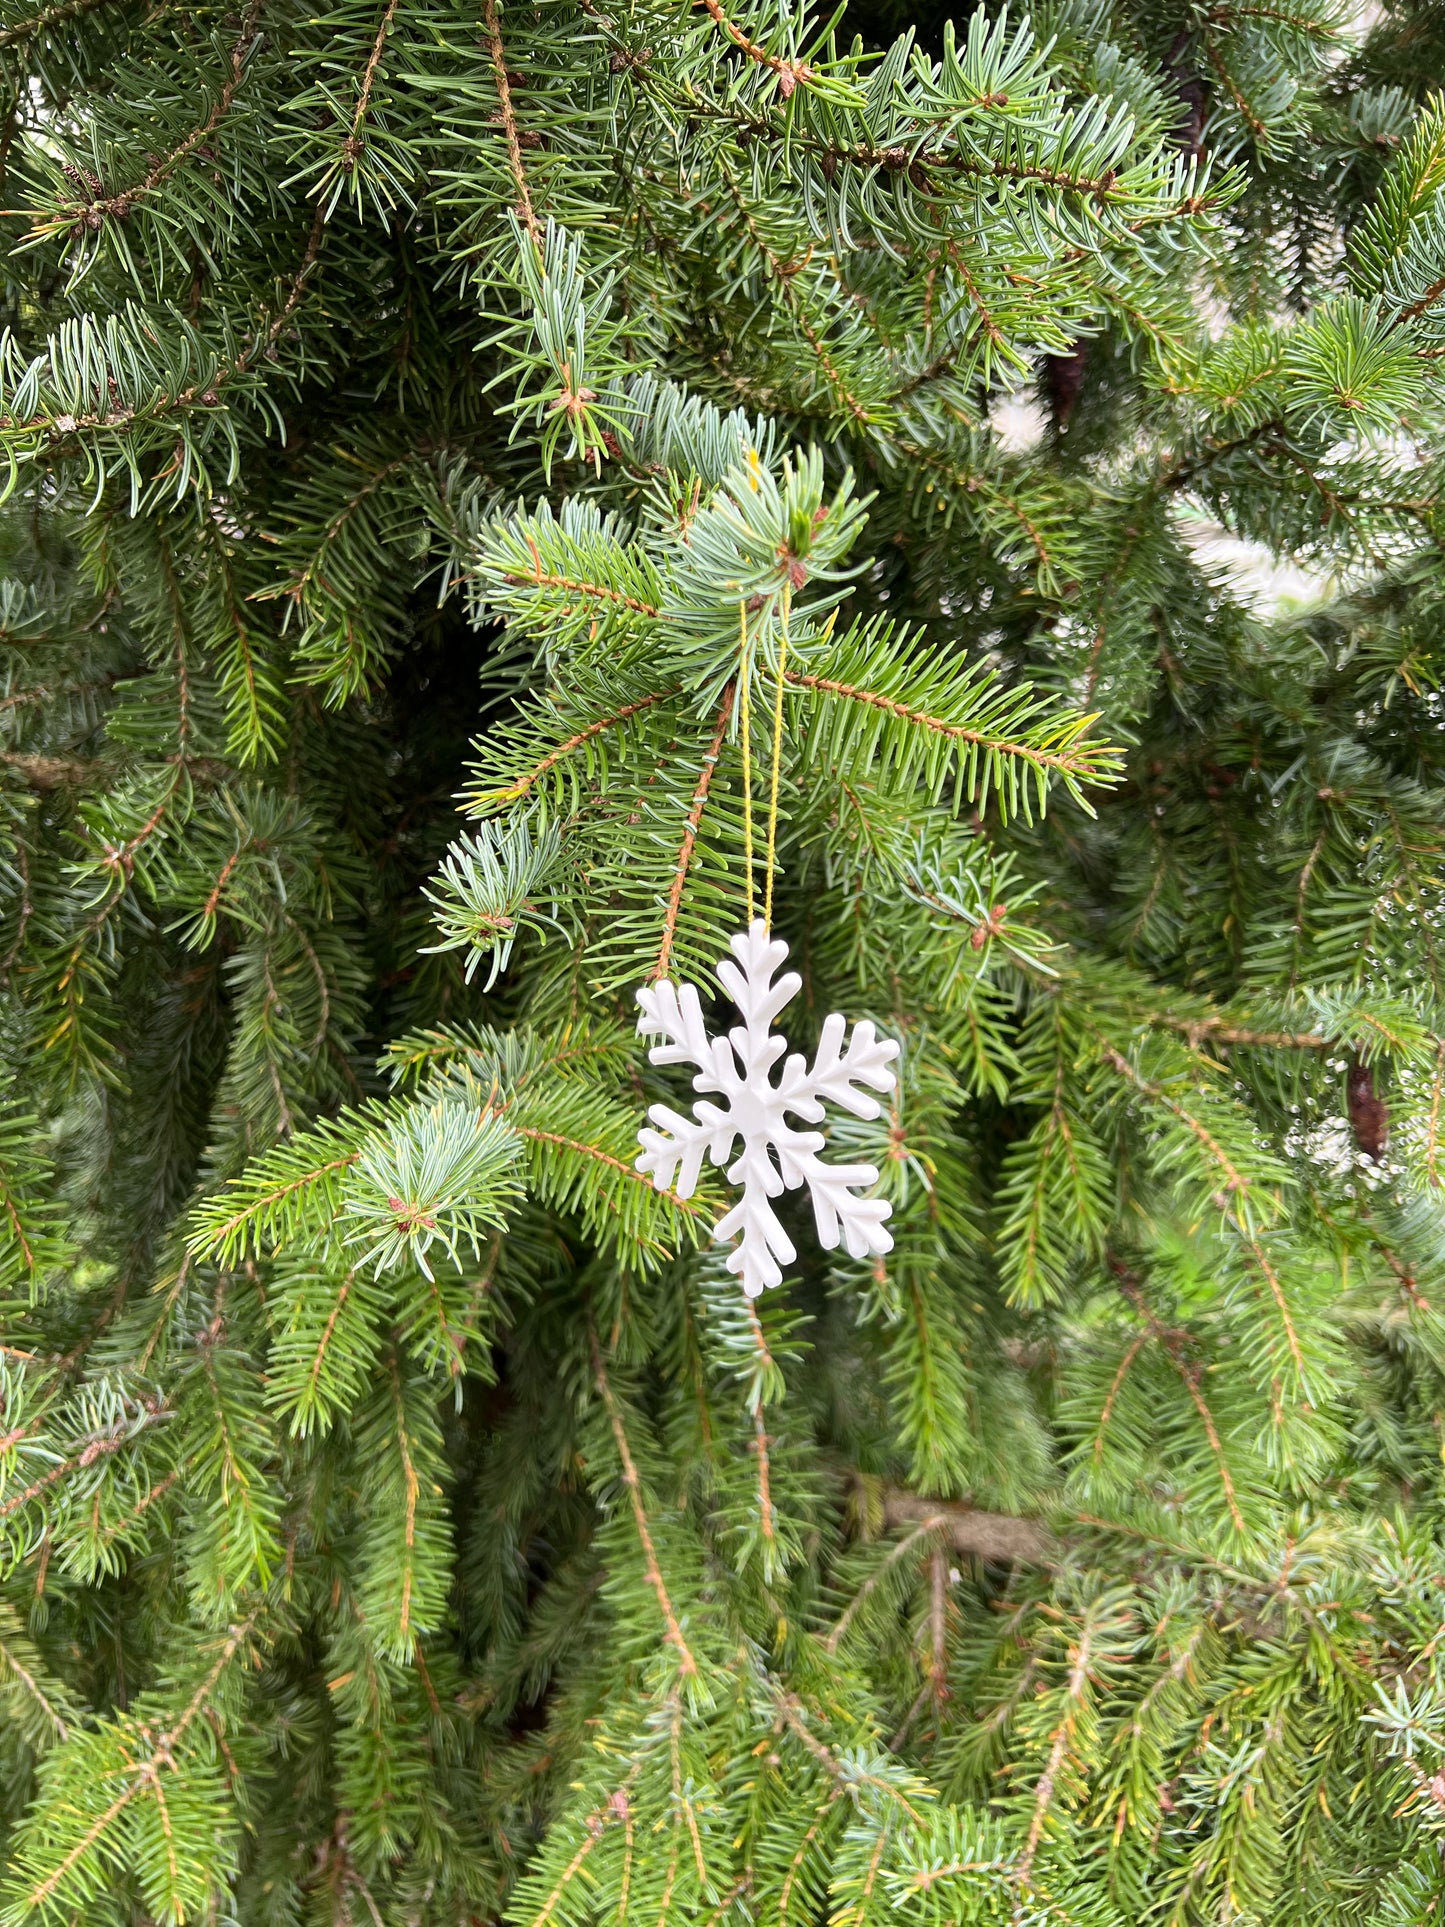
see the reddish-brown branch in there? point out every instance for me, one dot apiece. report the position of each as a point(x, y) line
point(47, 18)
point(413, 1498)
point(274, 1197)
point(541, 579)
point(846, 1779)
point(553, 757)
point(761, 1440)
point(1069, 765)
point(1271, 1278)
point(1117, 1386)
point(1432, 1127)
point(209, 908)
point(313, 1376)
point(100, 1445)
point(1427, 300)
point(17, 1232)
point(1235, 1180)
point(1251, 120)
point(49, 772)
point(141, 1506)
point(765, 1488)
point(368, 81)
point(121, 204)
point(933, 1520)
point(783, 273)
point(302, 275)
point(789, 72)
point(602, 1157)
point(200, 394)
point(633, 1482)
point(795, 1866)
point(36, 1691)
point(509, 123)
point(1217, 1030)
point(997, 1537)
point(1044, 1793)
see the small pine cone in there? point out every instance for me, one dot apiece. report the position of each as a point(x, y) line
point(1369, 1117)
point(1064, 378)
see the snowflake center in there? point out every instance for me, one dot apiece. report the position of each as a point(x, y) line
point(755, 1116)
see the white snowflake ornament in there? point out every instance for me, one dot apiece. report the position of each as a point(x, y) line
point(739, 1066)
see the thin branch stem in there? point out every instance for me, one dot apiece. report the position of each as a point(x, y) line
point(632, 1480)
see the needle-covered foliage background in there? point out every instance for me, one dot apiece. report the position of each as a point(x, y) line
point(405, 1518)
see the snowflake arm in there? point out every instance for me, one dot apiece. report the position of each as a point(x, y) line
point(836, 1071)
point(775, 1155)
point(843, 1218)
point(679, 1145)
point(763, 1247)
point(757, 997)
point(677, 1016)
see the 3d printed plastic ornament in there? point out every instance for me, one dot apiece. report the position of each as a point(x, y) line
point(739, 1068)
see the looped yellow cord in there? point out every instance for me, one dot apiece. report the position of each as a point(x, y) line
point(745, 675)
point(777, 758)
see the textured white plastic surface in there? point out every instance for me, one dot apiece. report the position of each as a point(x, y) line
point(739, 1067)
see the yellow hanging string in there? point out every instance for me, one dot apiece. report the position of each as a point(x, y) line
point(745, 675)
point(777, 758)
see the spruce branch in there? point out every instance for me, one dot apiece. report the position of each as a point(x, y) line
point(93, 211)
point(995, 1537)
point(445, 375)
point(673, 1633)
point(73, 1877)
point(498, 54)
point(368, 79)
point(1175, 1345)
point(86, 1451)
point(18, 31)
point(790, 73)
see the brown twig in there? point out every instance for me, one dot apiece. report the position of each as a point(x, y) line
point(996, 1537)
point(413, 1498)
point(555, 756)
point(1235, 1179)
point(94, 211)
point(783, 273)
point(98, 1446)
point(509, 123)
point(1218, 1030)
point(789, 72)
point(47, 18)
point(1082, 765)
point(633, 1482)
point(1172, 1343)
point(353, 144)
point(1063, 1733)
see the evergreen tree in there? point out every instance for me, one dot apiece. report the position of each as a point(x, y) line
point(612, 414)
